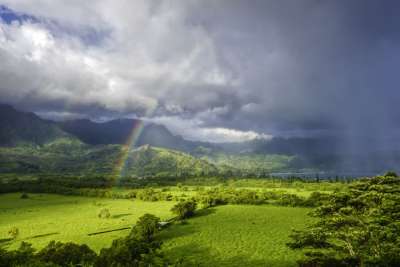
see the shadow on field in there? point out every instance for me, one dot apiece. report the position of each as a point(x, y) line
point(42, 235)
point(4, 242)
point(118, 216)
point(179, 229)
point(204, 212)
point(195, 255)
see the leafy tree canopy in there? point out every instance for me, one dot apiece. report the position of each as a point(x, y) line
point(359, 227)
point(184, 209)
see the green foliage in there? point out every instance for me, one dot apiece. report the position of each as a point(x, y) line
point(390, 174)
point(132, 251)
point(138, 249)
point(230, 195)
point(23, 256)
point(13, 232)
point(66, 254)
point(184, 209)
point(360, 227)
point(67, 157)
point(104, 214)
point(146, 227)
point(250, 163)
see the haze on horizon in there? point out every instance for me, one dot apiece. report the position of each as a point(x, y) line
point(210, 70)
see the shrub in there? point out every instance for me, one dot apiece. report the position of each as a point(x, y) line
point(184, 209)
point(130, 252)
point(146, 227)
point(104, 214)
point(291, 200)
point(24, 196)
point(67, 254)
point(13, 232)
point(391, 174)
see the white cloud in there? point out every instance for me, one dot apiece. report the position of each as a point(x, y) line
point(194, 129)
point(228, 64)
point(146, 52)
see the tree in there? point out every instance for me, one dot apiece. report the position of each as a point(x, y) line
point(104, 214)
point(13, 232)
point(138, 249)
point(67, 254)
point(23, 256)
point(146, 227)
point(391, 174)
point(359, 227)
point(130, 252)
point(184, 209)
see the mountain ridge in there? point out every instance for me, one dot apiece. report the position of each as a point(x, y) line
point(71, 138)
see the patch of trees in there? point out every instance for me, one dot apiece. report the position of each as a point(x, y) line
point(359, 227)
point(228, 192)
point(223, 196)
point(140, 248)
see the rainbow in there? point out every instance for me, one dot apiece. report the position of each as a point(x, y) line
point(121, 163)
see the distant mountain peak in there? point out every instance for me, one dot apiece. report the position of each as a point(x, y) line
point(17, 127)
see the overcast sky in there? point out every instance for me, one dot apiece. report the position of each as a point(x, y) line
point(210, 70)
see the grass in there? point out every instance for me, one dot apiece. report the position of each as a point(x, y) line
point(44, 217)
point(231, 235)
point(236, 235)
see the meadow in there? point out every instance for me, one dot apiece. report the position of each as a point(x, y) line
point(236, 235)
point(45, 217)
point(229, 235)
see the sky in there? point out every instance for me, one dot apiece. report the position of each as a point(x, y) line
point(220, 70)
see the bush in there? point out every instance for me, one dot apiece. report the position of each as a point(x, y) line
point(130, 252)
point(24, 196)
point(104, 214)
point(184, 209)
point(13, 232)
point(291, 200)
point(67, 254)
point(391, 174)
point(146, 227)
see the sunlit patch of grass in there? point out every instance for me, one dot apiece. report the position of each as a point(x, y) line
point(236, 235)
point(45, 217)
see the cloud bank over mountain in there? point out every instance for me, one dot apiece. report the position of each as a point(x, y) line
point(226, 70)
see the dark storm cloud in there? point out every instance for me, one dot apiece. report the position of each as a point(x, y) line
point(311, 64)
point(278, 67)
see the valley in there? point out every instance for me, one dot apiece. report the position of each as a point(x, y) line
point(215, 233)
point(100, 194)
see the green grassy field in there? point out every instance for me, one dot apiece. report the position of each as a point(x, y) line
point(44, 217)
point(236, 236)
point(231, 235)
